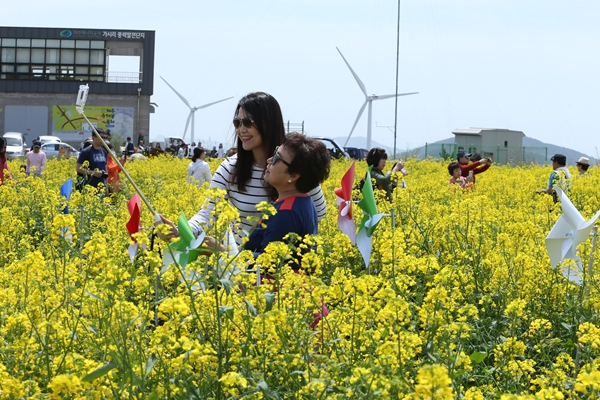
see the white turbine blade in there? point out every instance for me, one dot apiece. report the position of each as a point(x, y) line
point(356, 122)
point(177, 93)
point(187, 123)
point(362, 85)
point(210, 104)
point(389, 96)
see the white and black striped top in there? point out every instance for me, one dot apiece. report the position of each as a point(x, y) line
point(245, 201)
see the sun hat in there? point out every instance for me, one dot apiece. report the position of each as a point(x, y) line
point(583, 161)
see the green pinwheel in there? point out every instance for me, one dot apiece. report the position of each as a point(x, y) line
point(364, 242)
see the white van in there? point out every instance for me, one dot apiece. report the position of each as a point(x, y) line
point(15, 145)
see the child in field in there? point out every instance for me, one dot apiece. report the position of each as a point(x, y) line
point(455, 170)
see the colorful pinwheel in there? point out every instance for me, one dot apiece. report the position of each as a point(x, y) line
point(370, 220)
point(133, 226)
point(186, 249)
point(344, 202)
point(570, 230)
point(65, 190)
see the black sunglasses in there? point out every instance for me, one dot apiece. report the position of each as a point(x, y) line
point(277, 157)
point(247, 122)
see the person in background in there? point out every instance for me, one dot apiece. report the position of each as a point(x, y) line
point(474, 168)
point(4, 170)
point(199, 170)
point(36, 160)
point(192, 146)
point(457, 179)
point(95, 173)
point(129, 147)
point(259, 129)
point(582, 165)
point(377, 157)
point(183, 150)
point(220, 151)
point(214, 153)
point(559, 176)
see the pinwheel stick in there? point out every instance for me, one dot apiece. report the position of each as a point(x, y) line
point(590, 270)
point(80, 104)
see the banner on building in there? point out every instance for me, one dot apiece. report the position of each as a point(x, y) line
point(69, 125)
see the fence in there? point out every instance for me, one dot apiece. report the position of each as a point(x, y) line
point(500, 154)
point(294, 127)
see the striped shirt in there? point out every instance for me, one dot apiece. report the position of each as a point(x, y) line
point(245, 201)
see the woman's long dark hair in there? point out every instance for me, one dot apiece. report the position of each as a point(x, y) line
point(197, 153)
point(268, 120)
point(2, 152)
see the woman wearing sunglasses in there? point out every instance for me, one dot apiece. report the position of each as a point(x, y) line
point(259, 128)
point(296, 167)
point(377, 158)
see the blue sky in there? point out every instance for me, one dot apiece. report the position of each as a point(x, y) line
point(522, 65)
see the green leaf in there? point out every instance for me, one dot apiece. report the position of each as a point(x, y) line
point(566, 326)
point(264, 388)
point(103, 370)
point(478, 357)
point(227, 310)
point(92, 295)
point(250, 307)
point(270, 298)
point(227, 285)
point(150, 365)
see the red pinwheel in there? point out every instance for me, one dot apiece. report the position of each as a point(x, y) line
point(344, 201)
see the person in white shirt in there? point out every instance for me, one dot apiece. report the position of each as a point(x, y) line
point(220, 151)
point(199, 170)
point(36, 160)
point(183, 151)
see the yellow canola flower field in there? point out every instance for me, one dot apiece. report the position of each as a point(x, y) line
point(460, 302)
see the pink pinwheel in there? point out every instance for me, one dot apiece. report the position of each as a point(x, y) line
point(133, 226)
point(344, 201)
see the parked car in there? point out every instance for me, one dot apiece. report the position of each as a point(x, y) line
point(59, 149)
point(334, 148)
point(357, 153)
point(49, 139)
point(15, 145)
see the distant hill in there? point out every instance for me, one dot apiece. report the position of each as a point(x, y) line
point(572, 155)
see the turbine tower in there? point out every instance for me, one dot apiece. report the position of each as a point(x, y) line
point(369, 101)
point(192, 109)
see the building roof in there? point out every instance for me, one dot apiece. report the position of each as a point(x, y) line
point(480, 131)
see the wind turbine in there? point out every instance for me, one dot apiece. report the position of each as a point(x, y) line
point(192, 109)
point(369, 101)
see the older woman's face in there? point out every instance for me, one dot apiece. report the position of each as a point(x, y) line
point(276, 172)
point(381, 164)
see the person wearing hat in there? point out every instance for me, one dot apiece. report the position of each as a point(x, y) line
point(36, 160)
point(582, 165)
point(558, 176)
point(474, 168)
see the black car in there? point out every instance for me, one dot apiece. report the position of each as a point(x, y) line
point(356, 152)
point(334, 148)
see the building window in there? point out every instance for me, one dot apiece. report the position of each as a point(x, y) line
point(52, 59)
